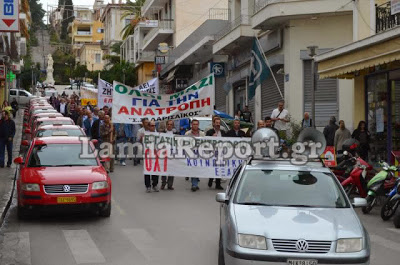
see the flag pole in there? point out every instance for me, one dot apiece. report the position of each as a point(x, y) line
point(266, 61)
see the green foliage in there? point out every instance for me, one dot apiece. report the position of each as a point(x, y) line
point(80, 71)
point(292, 132)
point(68, 16)
point(37, 14)
point(63, 66)
point(116, 73)
point(131, 8)
point(113, 59)
point(116, 47)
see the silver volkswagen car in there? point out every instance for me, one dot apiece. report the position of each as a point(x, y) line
point(274, 212)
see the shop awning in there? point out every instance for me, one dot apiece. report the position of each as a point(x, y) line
point(376, 50)
point(171, 75)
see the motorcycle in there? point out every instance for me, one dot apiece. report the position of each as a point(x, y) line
point(356, 181)
point(392, 202)
point(380, 185)
point(396, 219)
point(345, 165)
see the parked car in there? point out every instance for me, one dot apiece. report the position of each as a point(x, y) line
point(22, 96)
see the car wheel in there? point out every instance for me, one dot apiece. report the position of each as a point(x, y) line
point(370, 204)
point(221, 258)
point(106, 212)
point(396, 219)
point(389, 209)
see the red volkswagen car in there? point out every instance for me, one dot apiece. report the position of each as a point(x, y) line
point(53, 176)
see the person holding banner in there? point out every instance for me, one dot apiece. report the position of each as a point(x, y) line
point(154, 178)
point(195, 132)
point(236, 131)
point(216, 132)
point(171, 131)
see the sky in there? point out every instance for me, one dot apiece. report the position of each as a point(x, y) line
point(81, 2)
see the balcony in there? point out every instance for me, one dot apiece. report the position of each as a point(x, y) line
point(238, 33)
point(77, 46)
point(157, 35)
point(145, 56)
point(269, 14)
point(384, 19)
point(84, 33)
point(153, 6)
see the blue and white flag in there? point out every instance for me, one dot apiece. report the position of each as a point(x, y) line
point(259, 71)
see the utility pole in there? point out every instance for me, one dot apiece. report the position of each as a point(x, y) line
point(312, 51)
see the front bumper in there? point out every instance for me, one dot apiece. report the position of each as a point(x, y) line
point(67, 208)
point(238, 257)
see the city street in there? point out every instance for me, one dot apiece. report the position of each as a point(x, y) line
point(170, 228)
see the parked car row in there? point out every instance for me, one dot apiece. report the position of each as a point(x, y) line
point(51, 175)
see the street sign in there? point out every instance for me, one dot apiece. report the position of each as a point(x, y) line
point(10, 76)
point(163, 47)
point(159, 59)
point(9, 15)
point(218, 69)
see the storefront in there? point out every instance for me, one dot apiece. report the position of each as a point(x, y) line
point(382, 108)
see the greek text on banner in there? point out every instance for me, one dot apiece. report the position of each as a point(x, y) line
point(131, 105)
point(157, 163)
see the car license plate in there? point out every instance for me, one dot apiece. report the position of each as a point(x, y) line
point(66, 199)
point(302, 262)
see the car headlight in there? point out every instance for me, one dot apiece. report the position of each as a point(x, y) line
point(30, 187)
point(252, 241)
point(99, 185)
point(349, 245)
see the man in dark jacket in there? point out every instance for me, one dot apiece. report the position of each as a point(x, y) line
point(7, 132)
point(216, 131)
point(330, 130)
point(95, 130)
point(235, 131)
point(14, 105)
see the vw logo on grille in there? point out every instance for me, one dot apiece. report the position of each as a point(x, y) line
point(66, 188)
point(301, 245)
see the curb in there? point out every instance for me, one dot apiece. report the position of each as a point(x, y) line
point(7, 198)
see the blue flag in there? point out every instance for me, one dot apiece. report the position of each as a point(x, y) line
point(259, 70)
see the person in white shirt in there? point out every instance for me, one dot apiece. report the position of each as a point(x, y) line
point(195, 132)
point(170, 181)
point(280, 117)
point(63, 107)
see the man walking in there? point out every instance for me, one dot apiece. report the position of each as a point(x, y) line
point(170, 181)
point(330, 130)
point(154, 178)
point(124, 132)
point(307, 121)
point(107, 135)
point(236, 131)
point(63, 108)
point(139, 137)
point(341, 135)
point(7, 132)
point(88, 123)
point(216, 132)
point(95, 129)
point(195, 132)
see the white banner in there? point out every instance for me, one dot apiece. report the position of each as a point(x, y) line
point(104, 94)
point(394, 6)
point(186, 166)
point(130, 105)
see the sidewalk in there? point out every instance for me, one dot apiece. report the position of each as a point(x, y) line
point(7, 174)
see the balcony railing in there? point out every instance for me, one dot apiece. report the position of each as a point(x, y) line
point(260, 4)
point(86, 33)
point(219, 13)
point(384, 19)
point(242, 20)
point(162, 24)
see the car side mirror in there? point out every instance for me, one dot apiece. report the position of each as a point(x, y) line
point(24, 143)
point(221, 197)
point(19, 160)
point(94, 141)
point(359, 202)
point(27, 131)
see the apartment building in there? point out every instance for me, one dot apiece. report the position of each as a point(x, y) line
point(372, 63)
point(285, 28)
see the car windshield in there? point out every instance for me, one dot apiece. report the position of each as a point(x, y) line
point(44, 111)
point(63, 132)
point(49, 156)
point(290, 188)
point(50, 122)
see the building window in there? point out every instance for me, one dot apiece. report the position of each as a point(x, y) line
point(100, 30)
point(98, 58)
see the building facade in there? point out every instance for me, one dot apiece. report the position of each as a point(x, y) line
point(372, 63)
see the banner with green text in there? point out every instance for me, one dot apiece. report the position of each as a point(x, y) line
point(131, 105)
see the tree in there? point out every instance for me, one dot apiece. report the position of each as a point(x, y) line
point(37, 14)
point(68, 16)
point(131, 9)
point(116, 72)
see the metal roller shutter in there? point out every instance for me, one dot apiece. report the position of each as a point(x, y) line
point(220, 96)
point(326, 102)
point(270, 94)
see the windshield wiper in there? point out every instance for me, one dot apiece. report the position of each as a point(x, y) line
point(255, 203)
point(299, 205)
point(70, 165)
